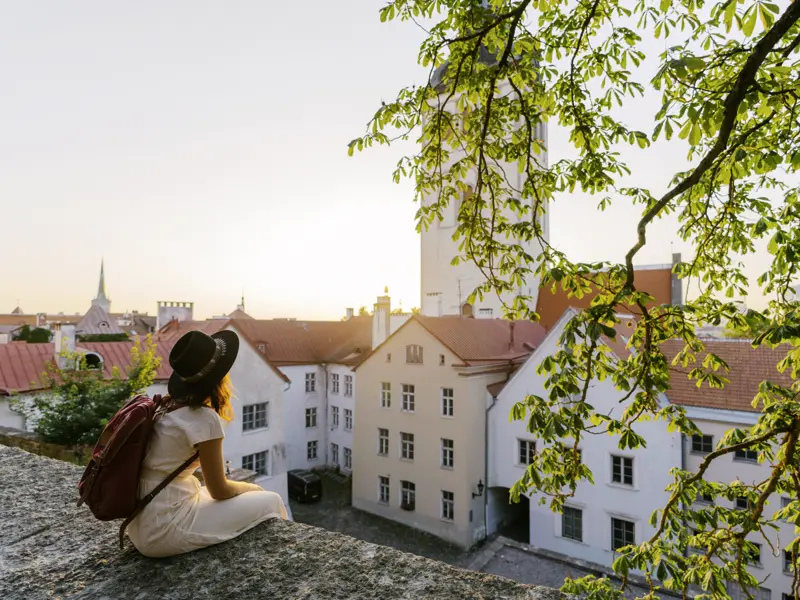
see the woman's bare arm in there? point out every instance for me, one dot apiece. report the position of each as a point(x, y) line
point(212, 464)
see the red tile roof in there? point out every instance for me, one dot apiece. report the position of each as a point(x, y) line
point(748, 368)
point(22, 365)
point(551, 305)
point(484, 340)
point(309, 342)
point(15, 319)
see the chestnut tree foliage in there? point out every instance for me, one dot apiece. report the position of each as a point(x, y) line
point(728, 84)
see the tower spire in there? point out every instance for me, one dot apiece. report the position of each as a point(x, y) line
point(101, 289)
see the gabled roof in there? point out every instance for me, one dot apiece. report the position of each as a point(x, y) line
point(288, 343)
point(657, 281)
point(484, 340)
point(478, 341)
point(17, 311)
point(97, 322)
point(239, 314)
point(17, 319)
point(748, 368)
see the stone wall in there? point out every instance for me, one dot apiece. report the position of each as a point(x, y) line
point(51, 549)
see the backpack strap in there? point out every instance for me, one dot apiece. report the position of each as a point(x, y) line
point(147, 499)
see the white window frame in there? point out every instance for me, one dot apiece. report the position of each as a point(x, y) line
point(383, 441)
point(623, 469)
point(334, 416)
point(386, 394)
point(384, 489)
point(311, 417)
point(406, 446)
point(448, 506)
point(348, 419)
point(251, 416)
point(335, 454)
point(530, 451)
point(414, 354)
point(563, 523)
point(447, 459)
point(409, 397)
point(701, 442)
point(448, 402)
point(348, 386)
point(622, 520)
point(312, 445)
point(311, 383)
point(251, 462)
point(408, 493)
point(334, 383)
point(348, 458)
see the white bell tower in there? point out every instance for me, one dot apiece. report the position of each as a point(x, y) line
point(446, 287)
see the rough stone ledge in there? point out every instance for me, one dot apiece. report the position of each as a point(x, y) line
point(51, 549)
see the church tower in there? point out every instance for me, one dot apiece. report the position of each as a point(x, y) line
point(102, 300)
point(446, 287)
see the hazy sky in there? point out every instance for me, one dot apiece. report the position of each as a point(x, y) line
point(200, 147)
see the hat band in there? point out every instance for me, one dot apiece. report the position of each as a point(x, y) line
point(219, 352)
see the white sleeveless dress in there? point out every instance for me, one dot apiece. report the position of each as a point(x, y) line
point(183, 517)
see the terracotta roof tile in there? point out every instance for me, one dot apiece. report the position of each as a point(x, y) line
point(310, 342)
point(22, 365)
point(550, 306)
point(748, 368)
point(481, 340)
point(13, 319)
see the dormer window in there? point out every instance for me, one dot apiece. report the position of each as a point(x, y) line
point(93, 361)
point(414, 354)
point(262, 348)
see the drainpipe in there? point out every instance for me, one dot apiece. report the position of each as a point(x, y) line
point(486, 458)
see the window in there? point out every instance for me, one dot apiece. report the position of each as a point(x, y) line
point(311, 417)
point(335, 383)
point(407, 446)
point(348, 419)
point(527, 450)
point(754, 557)
point(388, 357)
point(789, 561)
point(262, 348)
point(334, 416)
point(702, 444)
point(311, 451)
point(311, 382)
point(335, 454)
point(386, 394)
point(622, 533)
point(258, 462)
point(408, 397)
point(622, 470)
point(383, 442)
point(441, 360)
point(448, 506)
point(447, 453)
point(414, 354)
point(742, 503)
point(447, 402)
point(787, 597)
point(408, 495)
point(348, 458)
point(348, 385)
point(784, 503)
point(486, 312)
point(705, 498)
point(572, 523)
point(254, 416)
point(749, 455)
point(383, 490)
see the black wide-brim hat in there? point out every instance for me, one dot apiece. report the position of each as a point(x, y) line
point(200, 361)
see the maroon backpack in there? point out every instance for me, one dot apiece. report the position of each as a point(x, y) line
point(110, 484)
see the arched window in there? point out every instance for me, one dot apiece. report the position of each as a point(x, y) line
point(93, 361)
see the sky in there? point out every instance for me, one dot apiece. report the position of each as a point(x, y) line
point(200, 149)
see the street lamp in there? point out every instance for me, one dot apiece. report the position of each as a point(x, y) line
point(480, 489)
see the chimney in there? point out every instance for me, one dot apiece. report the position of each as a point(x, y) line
point(64, 343)
point(381, 319)
point(676, 285)
point(349, 313)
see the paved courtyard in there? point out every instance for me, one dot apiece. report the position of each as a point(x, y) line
point(334, 512)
